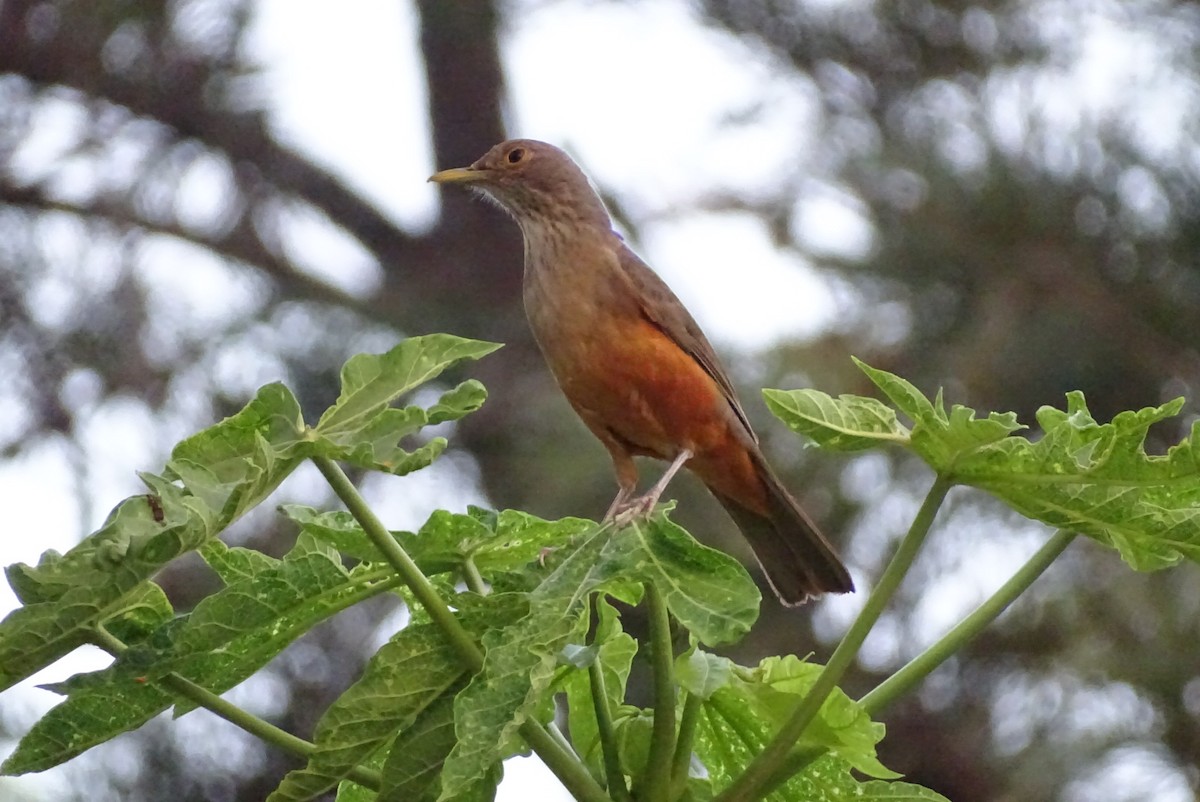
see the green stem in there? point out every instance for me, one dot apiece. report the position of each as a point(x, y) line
point(617, 788)
point(560, 760)
point(563, 763)
point(402, 564)
point(763, 770)
point(472, 578)
point(682, 760)
point(923, 664)
point(796, 761)
point(182, 686)
point(662, 736)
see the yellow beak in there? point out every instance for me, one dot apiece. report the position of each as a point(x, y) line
point(458, 175)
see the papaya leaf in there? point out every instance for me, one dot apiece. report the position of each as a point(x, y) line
point(1079, 474)
point(226, 638)
point(416, 669)
point(708, 592)
point(847, 423)
point(740, 716)
point(364, 429)
point(69, 595)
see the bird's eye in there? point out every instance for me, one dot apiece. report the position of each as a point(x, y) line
point(515, 155)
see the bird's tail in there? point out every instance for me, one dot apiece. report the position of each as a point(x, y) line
point(797, 560)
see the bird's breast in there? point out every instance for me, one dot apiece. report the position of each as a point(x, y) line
point(618, 369)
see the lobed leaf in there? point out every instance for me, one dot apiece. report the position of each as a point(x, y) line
point(78, 724)
point(362, 427)
point(68, 596)
point(740, 716)
point(416, 670)
point(847, 423)
point(229, 636)
point(371, 382)
point(233, 465)
point(224, 470)
point(708, 592)
point(1097, 479)
point(1080, 475)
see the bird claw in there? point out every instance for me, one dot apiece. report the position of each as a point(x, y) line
point(629, 511)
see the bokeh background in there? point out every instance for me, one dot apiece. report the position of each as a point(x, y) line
point(1003, 199)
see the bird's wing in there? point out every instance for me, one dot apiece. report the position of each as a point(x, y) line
point(662, 308)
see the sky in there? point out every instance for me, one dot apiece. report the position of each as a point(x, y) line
point(653, 136)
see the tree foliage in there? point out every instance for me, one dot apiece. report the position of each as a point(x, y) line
point(479, 663)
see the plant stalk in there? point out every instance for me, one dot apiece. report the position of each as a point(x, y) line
point(762, 772)
point(617, 788)
point(662, 737)
point(260, 728)
point(560, 760)
point(923, 664)
point(682, 760)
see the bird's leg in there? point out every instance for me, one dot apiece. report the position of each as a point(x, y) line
point(617, 503)
point(644, 504)
point(625, 469)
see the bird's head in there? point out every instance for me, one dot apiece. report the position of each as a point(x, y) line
point(534, 181)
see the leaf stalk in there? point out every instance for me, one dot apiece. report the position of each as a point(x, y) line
point(762, 772)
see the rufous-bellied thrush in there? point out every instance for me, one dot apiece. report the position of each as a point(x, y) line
point(636, 367)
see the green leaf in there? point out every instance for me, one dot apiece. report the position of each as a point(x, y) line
point(1079, 475)
point(847, 423)
point(498, 543)
point(235, 564)
point(230, 635)
point(97, 580)
point(517, 539)
point(337, 528)
point(411, 672)
point(505, 542)
point(87, 718)
point(877, 791)
point(232, 466)
point(234, 632)
point(941, 439)
point(703, 674)
point(224, 469)
point(363, 428)
point(370, 382)
point(708, 592)
point(741, 715)
point(519, 663)
point(416, 669)
point(841, 726)
point(412, 771)
point(1097, 479)
point(634, 731)
point(78, 724)
point(350, 791)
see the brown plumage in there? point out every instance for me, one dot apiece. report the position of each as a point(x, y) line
point(635, 365)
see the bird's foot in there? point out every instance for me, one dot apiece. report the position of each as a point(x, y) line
point(632, 509)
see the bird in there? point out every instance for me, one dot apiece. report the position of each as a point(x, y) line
point(636, 367)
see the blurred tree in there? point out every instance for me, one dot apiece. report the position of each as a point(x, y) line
point(1027, 238)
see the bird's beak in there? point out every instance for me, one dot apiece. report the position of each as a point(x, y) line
point(459, 175)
